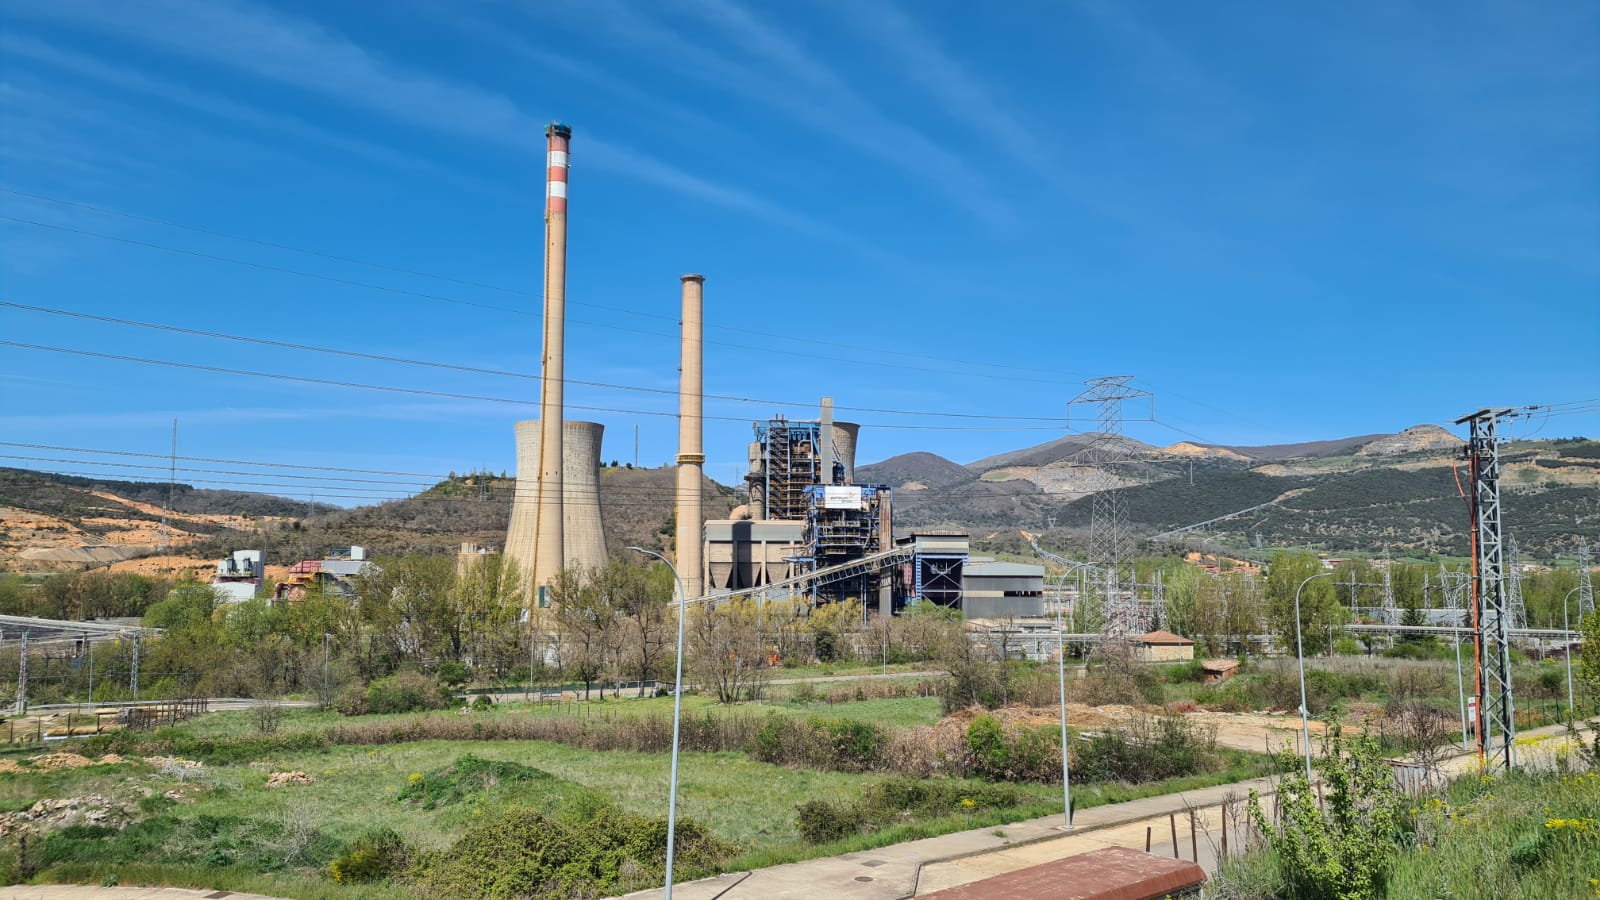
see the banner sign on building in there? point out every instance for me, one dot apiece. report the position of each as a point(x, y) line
point(845, 496)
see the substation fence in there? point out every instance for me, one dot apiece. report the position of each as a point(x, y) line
point(39, 727)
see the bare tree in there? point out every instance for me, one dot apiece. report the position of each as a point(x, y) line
point(725, 651)
point(971, 666)
point(586, 623)
point(638, 641)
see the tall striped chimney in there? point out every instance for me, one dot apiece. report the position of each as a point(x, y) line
point(691, 447)
point(548, 529)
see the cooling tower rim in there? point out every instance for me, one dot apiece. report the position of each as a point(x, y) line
point(564, 422)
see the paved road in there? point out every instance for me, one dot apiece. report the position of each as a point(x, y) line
point(864, 675)
point(85, 892)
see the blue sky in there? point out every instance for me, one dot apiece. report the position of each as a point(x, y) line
point(1288, 222)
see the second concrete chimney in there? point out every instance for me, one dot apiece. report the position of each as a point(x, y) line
point(691, 448)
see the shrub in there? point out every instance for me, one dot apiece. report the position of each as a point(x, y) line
point(851, 744)
point(1348, 647)
point(377, 854)
point(268, 717)
point(1018, 753)
point(819, 821)
point(841, 745)
point(482, 702)
point(406, 692)
point(986, 739)
point(804, 692)
point(1147, 750)
point(1192, 670)
point(1347, 852)
point(352, 700)
point(467, 775)
point(596, 850)
point(896, 800)
point(454, 673)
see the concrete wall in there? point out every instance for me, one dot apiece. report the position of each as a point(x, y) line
point(998, 607)
point(749, 553)
point(1164, 652)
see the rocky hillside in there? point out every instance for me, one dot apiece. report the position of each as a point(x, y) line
point(54, 522)
point(1350, 495)
point(924, 470)
point(1416, 439)
point(59, 523)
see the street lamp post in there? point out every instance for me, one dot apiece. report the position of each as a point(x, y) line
point(677, 716)
point(1300, 657)
point(1566, 625)
point(1061, 676)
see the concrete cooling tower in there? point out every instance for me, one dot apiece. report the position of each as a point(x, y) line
point(584, 538)
point(845, 436)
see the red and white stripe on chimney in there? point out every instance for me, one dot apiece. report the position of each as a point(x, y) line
point(560, 138)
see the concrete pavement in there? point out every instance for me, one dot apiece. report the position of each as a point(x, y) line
point(894, 872)
point(87, 892)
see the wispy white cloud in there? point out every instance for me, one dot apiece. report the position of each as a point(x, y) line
point(1158, 60)
point(305, 55)
point(235, 416)
point(964, 97)
point(783, 75)
point(18, 46)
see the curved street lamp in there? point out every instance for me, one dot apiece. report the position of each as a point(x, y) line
point(677, 716)
point(1566, 625)
point(1300, 656)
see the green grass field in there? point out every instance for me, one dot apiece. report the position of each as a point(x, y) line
point(230, 831)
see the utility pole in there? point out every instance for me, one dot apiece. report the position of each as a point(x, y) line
point(327, 673)
point(1491, 613)
point(22, 676)
point(172, 481)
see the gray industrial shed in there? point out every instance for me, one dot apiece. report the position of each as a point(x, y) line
point(998, 590)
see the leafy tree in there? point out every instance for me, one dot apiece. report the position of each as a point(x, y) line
point(1589, 655)
point(829, 623)
point(187, 605)
point(486, 601)
point(1321, 613)
point(406, 601)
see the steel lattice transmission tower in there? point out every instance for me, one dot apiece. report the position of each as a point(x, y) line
point(1110, 542)
point(1585, 582)
point(1390, 614)
point(1514, 604)
point(1491, 612)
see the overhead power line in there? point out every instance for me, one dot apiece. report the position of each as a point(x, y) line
point(451, 395)
point(350, 282)
point(465, 282)
point(475, 370)
point(209, 459)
